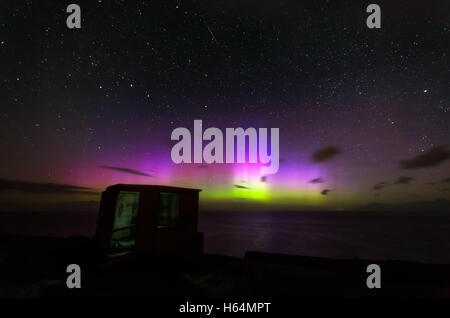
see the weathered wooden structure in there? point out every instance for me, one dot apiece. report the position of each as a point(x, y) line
point(149, 219)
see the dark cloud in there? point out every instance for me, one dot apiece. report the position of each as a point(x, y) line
point(325, 154)
point(25, 209)
point(325, 191)
point(380, 186)
point(430, 158)
point(447, 180)
point(168, 143)
point(240, 186)
point(403, 180)
point(400, 180)
point(317, 180)
point(127, 170)
point(38, 187)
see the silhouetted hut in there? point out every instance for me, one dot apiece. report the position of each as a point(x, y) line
point(149, 219)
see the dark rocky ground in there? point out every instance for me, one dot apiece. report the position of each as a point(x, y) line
point(36, 267)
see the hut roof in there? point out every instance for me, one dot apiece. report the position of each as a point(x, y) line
point(149, 187)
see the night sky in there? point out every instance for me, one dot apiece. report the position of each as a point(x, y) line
point(364, 114)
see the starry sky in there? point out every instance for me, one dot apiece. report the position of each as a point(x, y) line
point(364, 114)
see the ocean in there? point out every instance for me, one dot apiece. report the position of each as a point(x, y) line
point(413, 236)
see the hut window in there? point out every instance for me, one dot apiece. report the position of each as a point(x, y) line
point(169, 210)
point(125, 221)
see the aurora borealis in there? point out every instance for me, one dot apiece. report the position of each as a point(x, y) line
point(96, 106)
